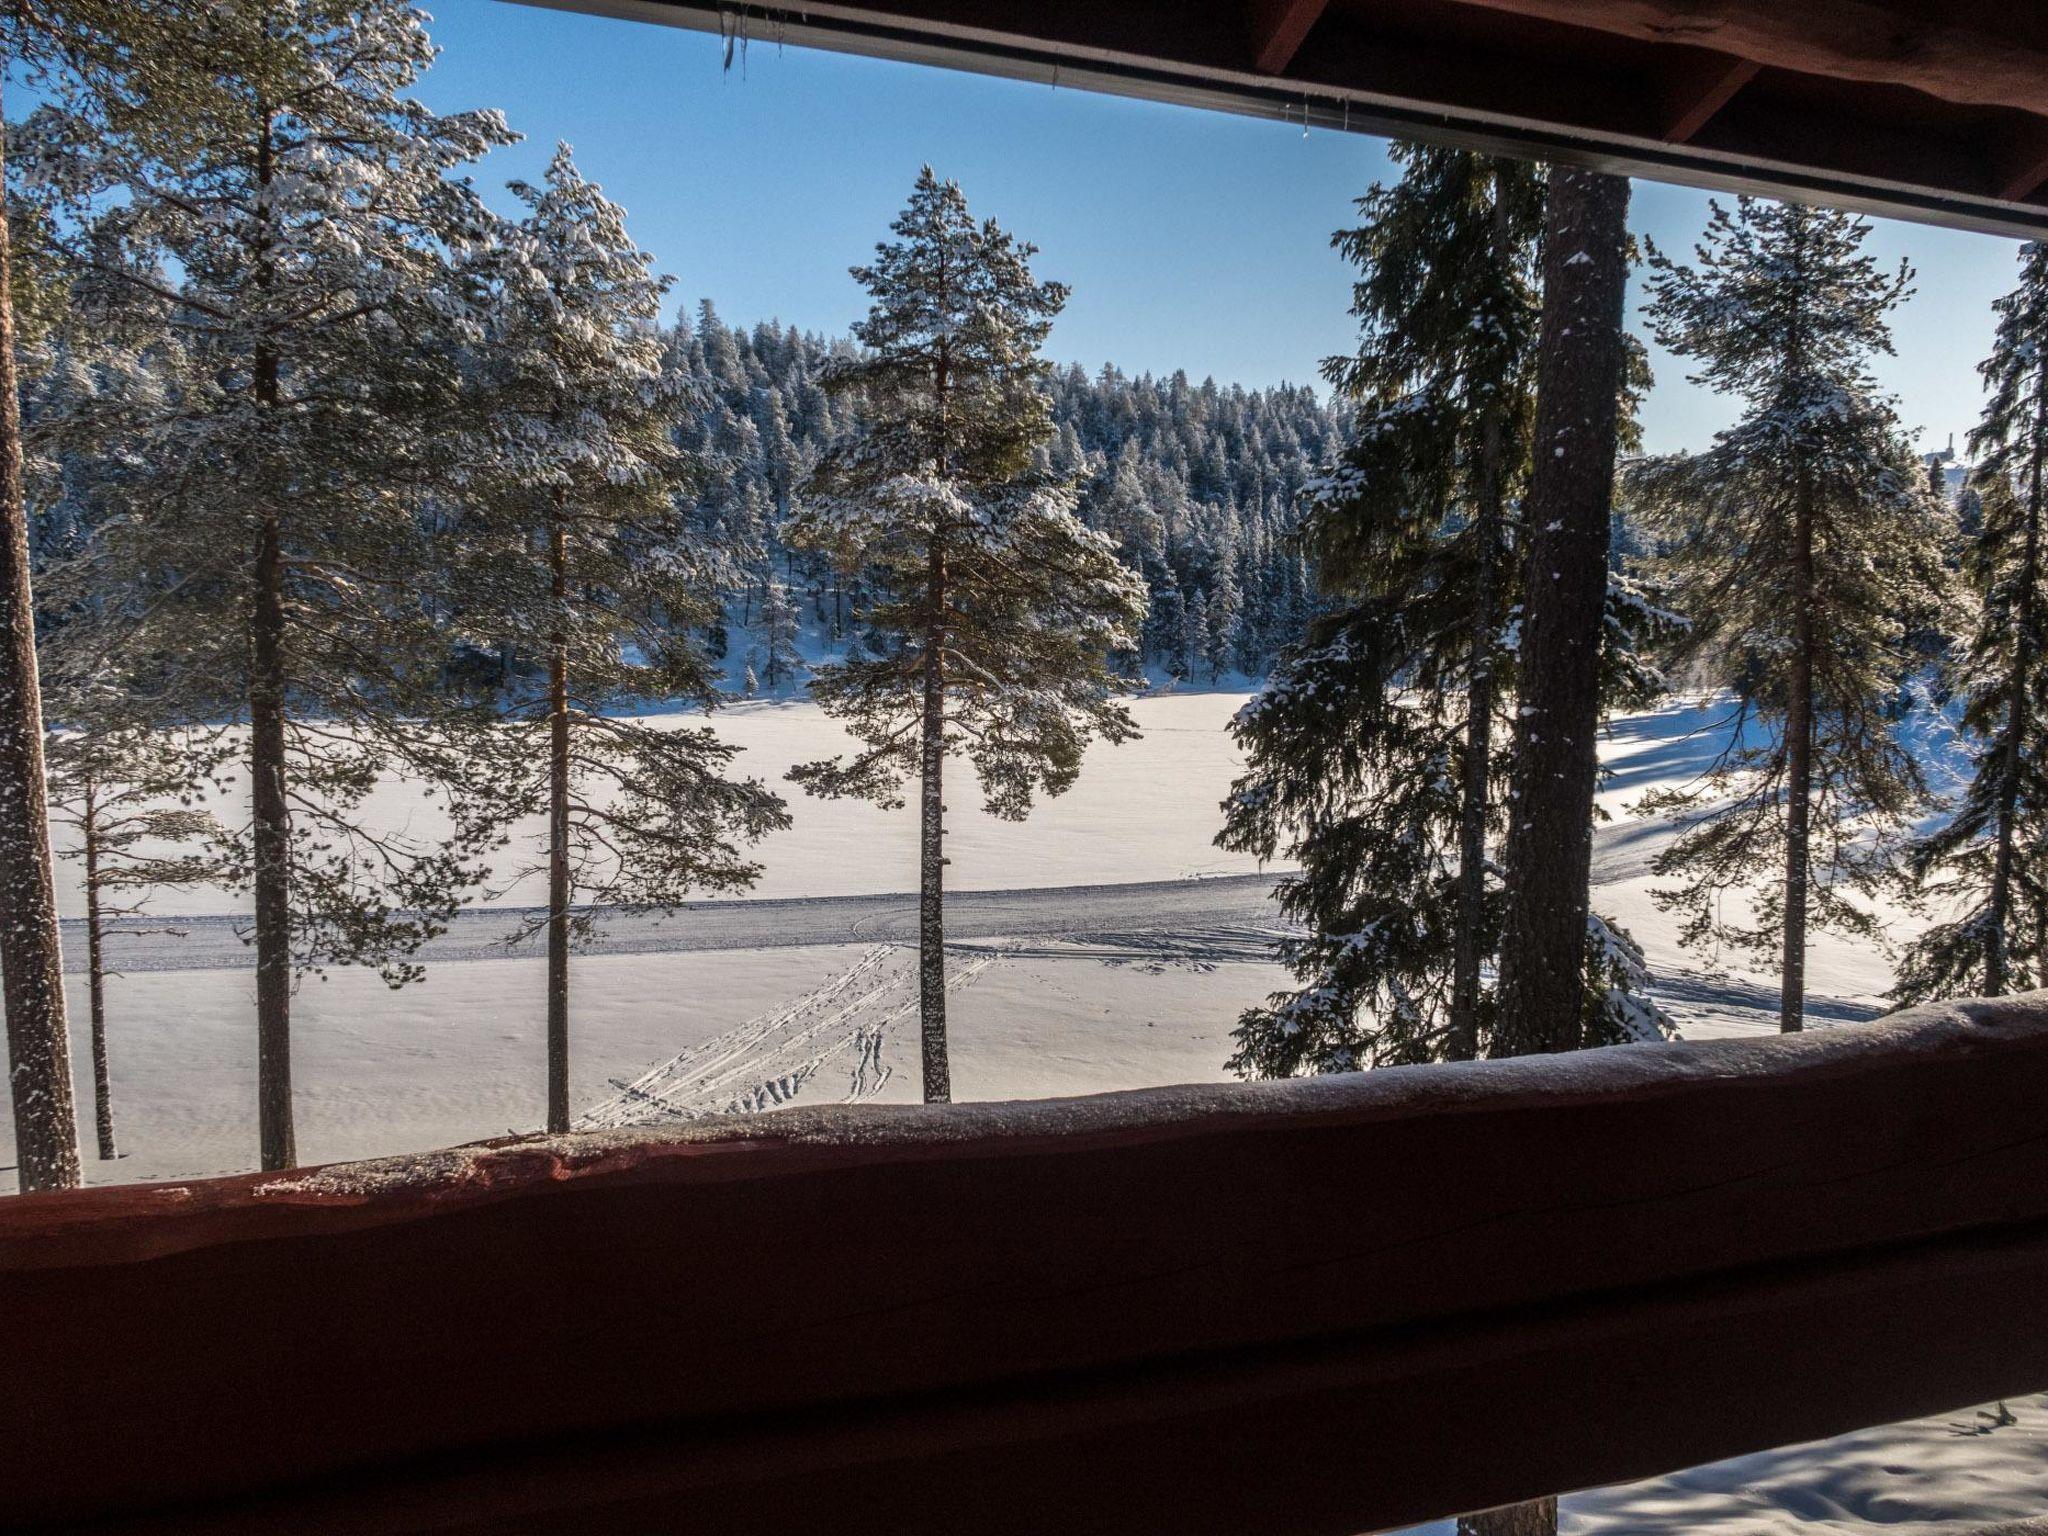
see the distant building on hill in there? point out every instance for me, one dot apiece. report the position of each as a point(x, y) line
point(1947, 474)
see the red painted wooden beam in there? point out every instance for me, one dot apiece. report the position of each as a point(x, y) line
point(2021, 163)
point(1285, 1309)
point(1698, 89)
point(1278, 28)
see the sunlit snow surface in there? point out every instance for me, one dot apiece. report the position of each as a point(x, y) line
point(1949, 1475)
point(1104, 943)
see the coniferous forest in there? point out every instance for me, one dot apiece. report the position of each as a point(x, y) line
point(1198, 485)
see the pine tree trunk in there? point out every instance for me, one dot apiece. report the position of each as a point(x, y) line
point(96, 976)
point(38, 1041)
point(1798, 772)
point(931, 850)
point(270, 803)
point(558, 837)
point(1549, 847)
point(931, 912)
point(2022, 664)
point(271, 838)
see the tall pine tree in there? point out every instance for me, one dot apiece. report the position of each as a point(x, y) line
point(1804, 548)
point(992, 611)
point(280, 570)
point(1991, 854)
point(582, 551)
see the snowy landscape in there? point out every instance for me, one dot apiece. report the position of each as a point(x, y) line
point(1104, 943)
point(470, 691)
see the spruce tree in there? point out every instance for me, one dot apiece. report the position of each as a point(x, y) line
point(1988, 854)
point(582, 547)
point(1358, 748)
point(781, 660)
point(1226, 623)
point(1803, 547)
point(992, 611)
point(1374, 753)
point(283, 573)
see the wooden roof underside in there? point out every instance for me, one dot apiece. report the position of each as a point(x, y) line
point(1934, 110)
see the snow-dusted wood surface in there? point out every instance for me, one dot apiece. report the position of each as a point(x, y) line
point(1318, 1306)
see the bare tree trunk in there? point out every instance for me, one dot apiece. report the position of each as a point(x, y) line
point(38, 1041)
point(270, 801)
point(558, 837)
point(2016, 718)
point(1470, 944)
point(1549, 846)
point(931, 871)
point(96, 976)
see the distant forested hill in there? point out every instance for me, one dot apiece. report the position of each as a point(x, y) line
point(1195, 482)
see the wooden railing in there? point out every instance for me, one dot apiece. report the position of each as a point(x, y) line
point(1309, 1307)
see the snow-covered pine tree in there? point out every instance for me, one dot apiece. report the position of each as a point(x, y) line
point(582, 548)
point(1373, 753)
point(1804, 548)
point(781, 659)
point(1990, 855)
point(1194, 637)
point(1226, 622)
point(275, 550)
point(993, 610)
point(1357, 744)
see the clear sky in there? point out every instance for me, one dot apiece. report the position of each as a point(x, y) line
point(1192, 239)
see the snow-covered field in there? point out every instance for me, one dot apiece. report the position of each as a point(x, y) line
point(1114, 948)
point(1950, 1475)
point(1104, 943)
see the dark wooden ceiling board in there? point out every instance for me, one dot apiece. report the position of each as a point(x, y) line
point(1991, 59)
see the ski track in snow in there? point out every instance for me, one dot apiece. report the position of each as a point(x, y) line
point(773, 1058)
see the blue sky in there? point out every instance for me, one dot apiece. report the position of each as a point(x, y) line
point(1192, 239)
